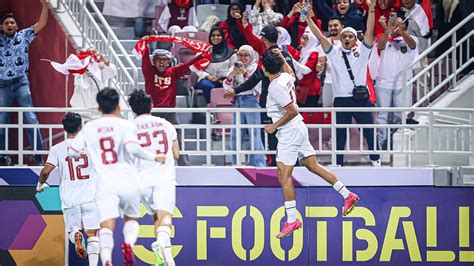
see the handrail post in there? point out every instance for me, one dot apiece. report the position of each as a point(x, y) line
point(238, 135)
point(471, 138)
point(454, 58)
point(208, 137)
point(20, 137)
point(333, 139)
point(430, 137)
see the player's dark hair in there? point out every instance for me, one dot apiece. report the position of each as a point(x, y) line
point(72, 123)
point(140, 102)
point(272, 62)
point(8, 15)
point(108, 100)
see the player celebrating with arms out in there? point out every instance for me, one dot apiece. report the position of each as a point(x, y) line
point(293, 140)
point(157, 135)
point(77, 191)
point(111, 141)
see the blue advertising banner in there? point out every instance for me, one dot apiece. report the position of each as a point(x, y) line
point(237, 226)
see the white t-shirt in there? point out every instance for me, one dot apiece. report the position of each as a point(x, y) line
point(105, 139)
point(358, 60)
point(281, 93)
point(328, 78)
point(156, 135)
point(77, 185)
point(393, 62)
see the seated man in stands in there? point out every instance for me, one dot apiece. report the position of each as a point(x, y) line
point(160, 83)
point(14, 82)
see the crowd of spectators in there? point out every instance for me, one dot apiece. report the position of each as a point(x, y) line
point(319, 39)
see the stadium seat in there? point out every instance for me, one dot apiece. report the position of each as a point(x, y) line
point(203, 11)
point(218, 100)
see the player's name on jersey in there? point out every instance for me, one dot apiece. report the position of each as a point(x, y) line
point(148, 125)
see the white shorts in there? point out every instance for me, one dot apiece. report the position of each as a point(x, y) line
point(113, 204)
point(293, 144)
point(161, 197)
point(85, 216)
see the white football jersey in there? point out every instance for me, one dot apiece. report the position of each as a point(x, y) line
point(281, 93)
point(105, 139)
point(77, 186)
point(156, 135)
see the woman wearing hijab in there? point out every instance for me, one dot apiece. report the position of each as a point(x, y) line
point(295, 27)
point(344, 9)
point(308, 86)
point(223, 58)
point(237, 75)
point(284, 41)
point(232, 25)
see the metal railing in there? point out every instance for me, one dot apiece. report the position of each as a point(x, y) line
point(103, 38)
point(443, 137)
point(443, 70)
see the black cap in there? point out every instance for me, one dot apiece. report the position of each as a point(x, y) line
point(270, 32)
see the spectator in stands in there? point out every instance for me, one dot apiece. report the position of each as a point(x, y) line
point(284, 41)
point(146, 12)
point(295, 27)
point(350, 77)
point(232, 26)
point(178, 13)
point(238, 74)
point(86, 86)
point(308, 87)
point(383, 8)
point(345, 10)
point(335, 27)
point(223, 58)
point(419, 24)
point(160, 83)
point(397, 50)
point(267, 41)
point(14, 82)
point(267, 17)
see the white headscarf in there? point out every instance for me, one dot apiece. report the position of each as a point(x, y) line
point(253, 57)
point(284, 37)
point(311, 47)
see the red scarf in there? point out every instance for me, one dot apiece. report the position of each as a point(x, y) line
point(195, 45)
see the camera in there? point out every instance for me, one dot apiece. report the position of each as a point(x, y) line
point(238, 65)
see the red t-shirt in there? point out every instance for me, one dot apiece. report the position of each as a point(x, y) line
point(162, 85)
point(310, 80)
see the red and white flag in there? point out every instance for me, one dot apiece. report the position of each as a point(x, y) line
point(79, 64)
point(194, 45)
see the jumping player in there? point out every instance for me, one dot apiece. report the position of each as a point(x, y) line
point(157, 135)
point(111, 141)
point(293, 140)
point(77, 191)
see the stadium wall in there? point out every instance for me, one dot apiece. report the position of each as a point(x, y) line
point(229, 216)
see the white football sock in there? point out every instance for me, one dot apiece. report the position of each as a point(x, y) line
point(290, 207)
point(341, 189)
point(93, 250)
point(130, 232)
point(106, 239)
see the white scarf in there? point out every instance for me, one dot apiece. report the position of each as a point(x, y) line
point(310, 48)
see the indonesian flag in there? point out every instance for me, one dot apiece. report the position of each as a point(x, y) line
point(194, 45)
point(422, 18)
point(79, 64)
point(426, 5)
